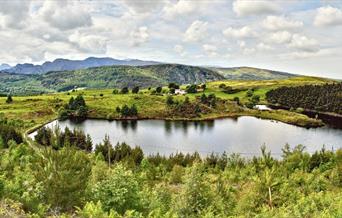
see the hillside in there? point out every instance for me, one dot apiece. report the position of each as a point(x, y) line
point(106, 77)
point(250, 73)
point(65, 64)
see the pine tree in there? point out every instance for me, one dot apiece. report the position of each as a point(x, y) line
point(9, 99)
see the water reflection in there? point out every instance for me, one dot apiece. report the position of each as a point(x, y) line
point(244, 135)
point(186, 126)
point(127, 125)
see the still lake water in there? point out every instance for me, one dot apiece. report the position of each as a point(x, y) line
point(244, 135)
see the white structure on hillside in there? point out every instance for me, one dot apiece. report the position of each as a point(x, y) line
point(180, 92)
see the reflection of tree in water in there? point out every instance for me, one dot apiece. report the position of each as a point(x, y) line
point(185, 125)
point(124, 125)
point(168, 127)
point(234, 119)
point(132, 124)
point(206, 125)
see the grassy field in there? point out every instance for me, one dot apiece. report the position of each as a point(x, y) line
point(37, 110)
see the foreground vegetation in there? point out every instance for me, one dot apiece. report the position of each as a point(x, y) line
point(61, 173)
point(233, 98)
point(57, 175)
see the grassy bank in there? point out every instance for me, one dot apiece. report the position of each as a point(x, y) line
point(32, 111)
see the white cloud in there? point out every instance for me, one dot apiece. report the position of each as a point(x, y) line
point(171, 10)
point(13, 13)
point(304, 43)
point(244, 32)
point(280, 37)
point(89, 43)
point(328, 16)
point(249, 51)
point(196, 31)
point(281, 23)
point(254, 7)
point(140, 36)
point(264, 47)
point(242, 44)
point(180, 50)
point(136, 6)
point(65, 15)
point(211, 50)
point(44, 30)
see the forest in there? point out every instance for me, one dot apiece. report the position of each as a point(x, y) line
point(61, 173)
point(325, 98)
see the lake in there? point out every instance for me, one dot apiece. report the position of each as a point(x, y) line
point(244, 135)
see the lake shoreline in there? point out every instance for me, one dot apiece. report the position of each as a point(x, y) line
point(264, 115)
point(226, 134)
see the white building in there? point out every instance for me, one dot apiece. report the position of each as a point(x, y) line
point(180, 92)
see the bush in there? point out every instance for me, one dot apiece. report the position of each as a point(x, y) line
point(124, 90)
point(173, 86)
point(169, 100)
point(64, 176)
point(159, 89)
point(191, 89)
point(237, 100)
point(127, 111)
point(135, 90)
point(9, 99)
point(8, 133)
point(120, 192)
point(249, 93)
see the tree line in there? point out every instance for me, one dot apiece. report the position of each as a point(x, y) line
point(326, 98)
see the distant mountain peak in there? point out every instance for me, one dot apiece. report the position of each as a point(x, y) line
point(61, 64)
point(4, 66)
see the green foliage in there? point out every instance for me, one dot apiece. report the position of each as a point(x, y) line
point(173, 86)
point(172, 91)
point(196, 195)
point(249, 93)
point(64, 175)
point(9, 99)
point(135, 90)
point(176, 174)
point(120, 192)
point(92, 210)
point(76, 108)
point(237, 100)
point(57, 139)
point(126, 111)
point(121, 152)
point(159, 89)
point(124, 90)
point(191, 89)
point(326, 98)
point(8, 133)
point(169, 100)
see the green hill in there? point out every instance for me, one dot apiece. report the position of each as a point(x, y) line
point(121, 76)
point(106, 77)
point(250, 73)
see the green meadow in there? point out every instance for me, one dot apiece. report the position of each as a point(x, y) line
point(38, 109)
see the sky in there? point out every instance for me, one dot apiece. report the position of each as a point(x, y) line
point(303, 36)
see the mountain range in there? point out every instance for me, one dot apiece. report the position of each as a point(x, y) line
point(65, 64)
point(103, 73)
